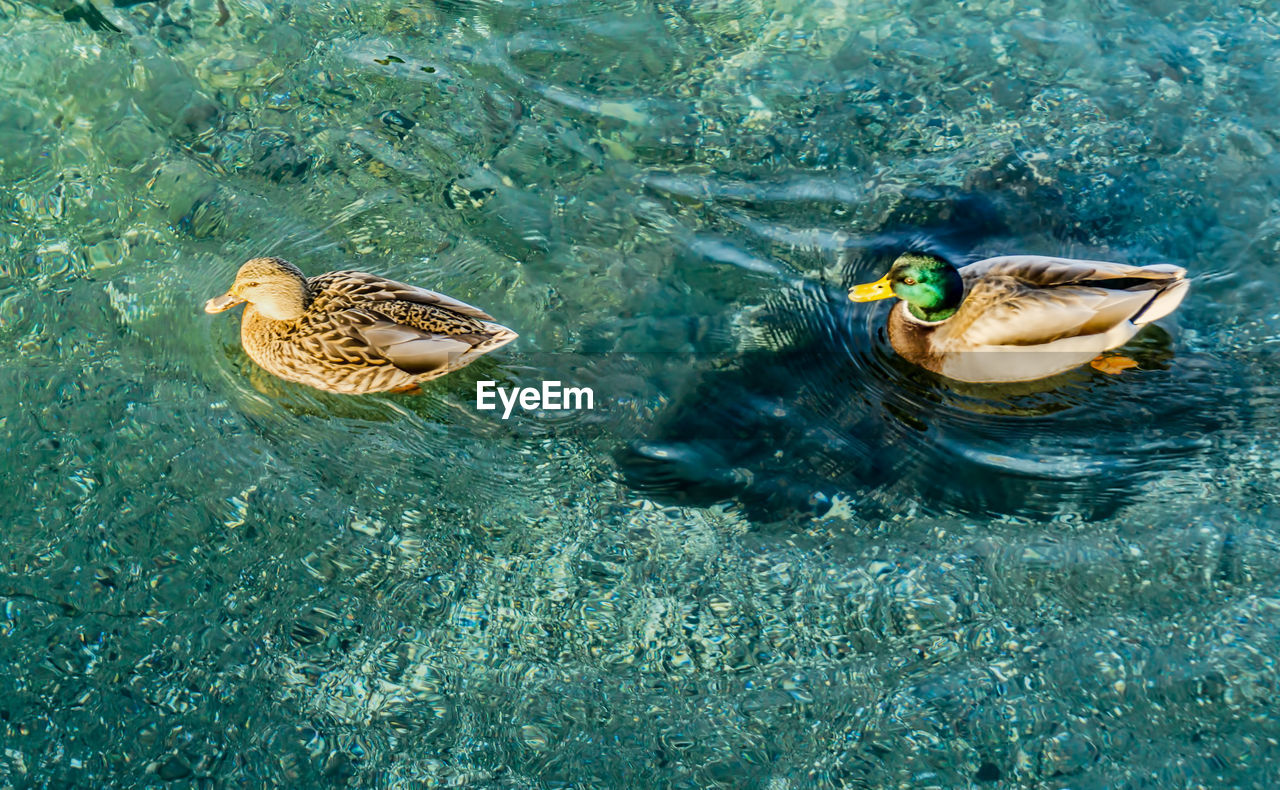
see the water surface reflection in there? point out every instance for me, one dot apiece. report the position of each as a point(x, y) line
point(775, 554)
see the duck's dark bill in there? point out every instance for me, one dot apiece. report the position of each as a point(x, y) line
point(869, 292)
point(220, 303)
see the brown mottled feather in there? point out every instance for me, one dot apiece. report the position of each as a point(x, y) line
point(361, 333)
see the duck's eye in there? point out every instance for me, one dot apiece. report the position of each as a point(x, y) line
point(908, 281)
point(249, 285)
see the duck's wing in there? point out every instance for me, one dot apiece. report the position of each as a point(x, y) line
point(365, 337)
point(1046, 271)
point(1033, 300)
point(348, 288)
point(416, 351)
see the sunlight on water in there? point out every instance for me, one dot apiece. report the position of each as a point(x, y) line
point(774, 554)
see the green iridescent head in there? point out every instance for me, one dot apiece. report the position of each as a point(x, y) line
point(928, 283)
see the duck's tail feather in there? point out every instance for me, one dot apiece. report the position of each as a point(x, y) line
point(1167, 299)
point(496, 336)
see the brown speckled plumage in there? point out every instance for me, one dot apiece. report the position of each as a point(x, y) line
point(352, 332)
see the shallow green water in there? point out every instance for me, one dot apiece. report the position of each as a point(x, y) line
point(773, 556)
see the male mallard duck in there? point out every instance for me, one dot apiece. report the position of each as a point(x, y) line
point(1018, 317)
point(352, 332)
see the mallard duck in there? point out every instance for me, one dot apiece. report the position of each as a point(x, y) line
point(1018, 317)
point(351, 332)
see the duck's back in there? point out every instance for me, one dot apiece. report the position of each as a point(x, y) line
point(410, 305)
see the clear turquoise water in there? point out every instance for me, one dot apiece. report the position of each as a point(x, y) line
point(773, 556)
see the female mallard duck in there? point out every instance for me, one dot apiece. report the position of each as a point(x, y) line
point(352, 332)
point(1018, 317)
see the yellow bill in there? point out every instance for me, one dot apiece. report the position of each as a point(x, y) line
point(869, 292)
